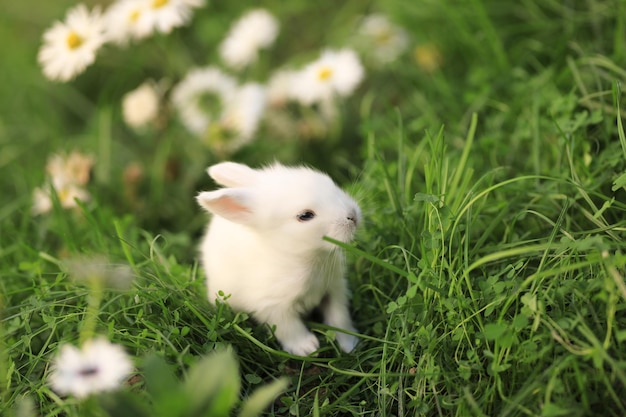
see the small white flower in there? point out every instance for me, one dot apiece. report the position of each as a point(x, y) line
point(124, 22)
point(242, 114)
point(383, 40)
point(200, 97)
point(67, 193)
point(141, 105)
point(333, 73)
point(66, 175)
point(165, 15)
point(99, 366)
point(42, 203)
point(71, 46)
point(255, 30)
point(74, 168)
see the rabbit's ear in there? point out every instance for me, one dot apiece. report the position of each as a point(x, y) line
point(234, 204)
point(232, 174)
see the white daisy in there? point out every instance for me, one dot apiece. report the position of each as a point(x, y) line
point(255, 30)
point(165, 15)
point(381, 38)
point(67, 175)
point(242, 114)
point(141, 105)
point(71, 46)
point(99, 366)
point(333, 73)
point(66, 192)
point(124, 21)
point(200, 97)
point(74, 168)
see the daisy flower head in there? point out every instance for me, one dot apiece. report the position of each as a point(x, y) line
point(200, 97)
point(98, 366)
point(67, 193)
point(141, 105)
point(74, 168)
point(382, 39)
point(71, 46)
point(241, 116)
point(255, 30)
point(124, 22)
point(165, 15)
point(335, 72)
point(67, 175)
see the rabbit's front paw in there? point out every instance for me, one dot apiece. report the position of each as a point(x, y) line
point(304, 345)
point(347, 342)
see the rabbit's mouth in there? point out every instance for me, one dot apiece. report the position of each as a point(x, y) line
point(345, 230)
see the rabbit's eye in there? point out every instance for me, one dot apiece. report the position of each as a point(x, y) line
point(306, 215)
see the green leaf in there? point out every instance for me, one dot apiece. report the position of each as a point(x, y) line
point(123, 404)
point(553, 410)
point(619, 182)
point(253, 378)
point(160, 378)
point(262, 397)
point(620, 335)
point(213, 384)
point(530, 301)
point(519, 322)
point(494, 330)
point(164, 388)
point(316, 404)
point(496, 368)
point(411, 292)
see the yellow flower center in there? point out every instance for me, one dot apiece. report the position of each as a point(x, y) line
point(159, 3)
point(134, 15)
point(64, 195)
point(427, 57)
point(324, 74)
point(73, 40)
point(383, 37)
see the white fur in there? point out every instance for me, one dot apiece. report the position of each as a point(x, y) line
point(271, 264)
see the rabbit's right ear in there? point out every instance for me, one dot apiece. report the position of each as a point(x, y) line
point(232, 174)
point(233, 204)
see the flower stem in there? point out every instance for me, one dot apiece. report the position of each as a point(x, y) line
point(94, 297)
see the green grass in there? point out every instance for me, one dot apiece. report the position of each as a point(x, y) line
point(488, 279)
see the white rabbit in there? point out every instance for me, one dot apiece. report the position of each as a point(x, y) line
point(264, 248)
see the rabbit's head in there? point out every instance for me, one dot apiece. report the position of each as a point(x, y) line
point(291, 208)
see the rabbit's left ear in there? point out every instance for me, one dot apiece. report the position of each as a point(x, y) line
point(234, 204)
point(232, 174)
